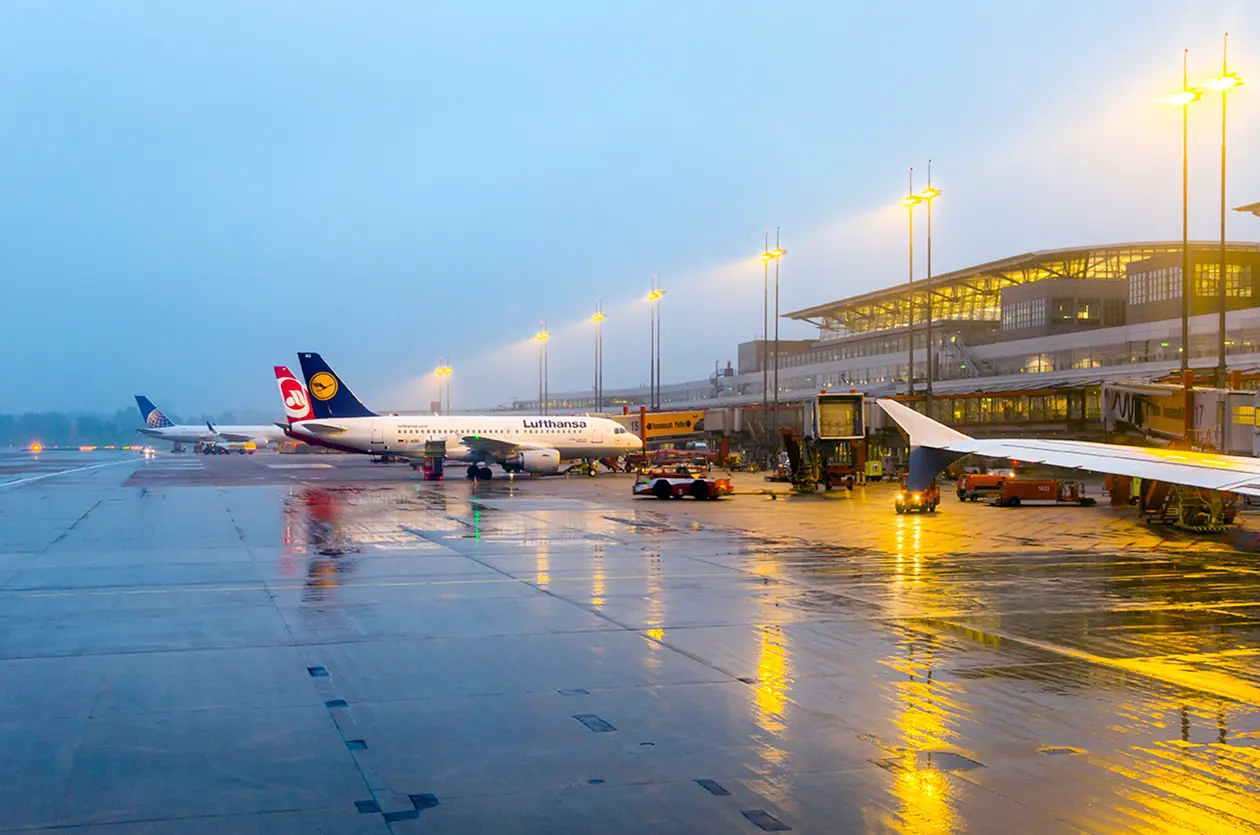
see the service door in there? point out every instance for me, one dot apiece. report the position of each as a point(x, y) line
point(378, 432)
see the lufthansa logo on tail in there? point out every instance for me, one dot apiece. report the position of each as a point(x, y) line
point(323, 386)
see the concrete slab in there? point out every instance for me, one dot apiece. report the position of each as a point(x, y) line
point(194, 645)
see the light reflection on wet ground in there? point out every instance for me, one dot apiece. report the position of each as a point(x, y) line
point(350, 636)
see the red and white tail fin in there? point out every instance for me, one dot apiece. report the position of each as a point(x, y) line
point(297, 403)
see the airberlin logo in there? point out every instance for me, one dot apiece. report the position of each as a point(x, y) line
point(323, 386)
point(296, 406)
point(554, 424)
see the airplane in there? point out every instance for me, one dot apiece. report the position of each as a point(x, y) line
point(933, 446)
point(531, 443)
point(159, 426)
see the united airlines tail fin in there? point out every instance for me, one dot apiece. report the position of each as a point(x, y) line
point(330, 397)
point(152, 415)
point(297, 403)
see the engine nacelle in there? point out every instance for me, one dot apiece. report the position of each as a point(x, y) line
point(537, 461)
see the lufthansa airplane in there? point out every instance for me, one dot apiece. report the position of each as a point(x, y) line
point(159, 427)
point(520, 443)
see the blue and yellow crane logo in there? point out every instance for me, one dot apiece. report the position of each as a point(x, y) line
point(323, 386)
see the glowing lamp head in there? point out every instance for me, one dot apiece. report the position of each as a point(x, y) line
point(542, 336)
point(655, 295)
point(777, 253)
point(37, 447)
point(1184, 97)
point(928, 194)
point(598, 317)
point(766, 256)
point(911, 200)
point(1226, 82)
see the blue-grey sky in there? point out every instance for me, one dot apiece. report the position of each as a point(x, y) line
point(190, 193)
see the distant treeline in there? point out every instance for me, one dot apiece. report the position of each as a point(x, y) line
point(85, 428)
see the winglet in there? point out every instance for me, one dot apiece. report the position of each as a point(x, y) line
point(928, 443)
point(923, 431)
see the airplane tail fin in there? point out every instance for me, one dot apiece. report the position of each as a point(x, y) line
point(297, 403)
point(330, 397)
point(152, 415)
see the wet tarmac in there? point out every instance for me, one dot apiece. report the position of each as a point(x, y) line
point(302, 644)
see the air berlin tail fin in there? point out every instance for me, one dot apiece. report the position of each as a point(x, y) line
point(297, 403)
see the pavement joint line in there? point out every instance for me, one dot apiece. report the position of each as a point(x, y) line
point(21, 481)
point(528, 581)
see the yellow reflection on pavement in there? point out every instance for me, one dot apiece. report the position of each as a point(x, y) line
point(597, 581)
point(924, 715)
point(542, 565)
point(655, 611)
point(773, 683)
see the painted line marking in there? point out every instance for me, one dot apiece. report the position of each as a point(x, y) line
point(20, 481)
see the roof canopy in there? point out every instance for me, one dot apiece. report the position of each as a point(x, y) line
point(973, 293)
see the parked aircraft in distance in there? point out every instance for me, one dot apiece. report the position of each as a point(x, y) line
point(159, 427)
point(519, 443)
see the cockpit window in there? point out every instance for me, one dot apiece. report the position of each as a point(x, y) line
point(619, 431)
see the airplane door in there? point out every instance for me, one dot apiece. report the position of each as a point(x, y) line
point(597, 435)
point(378, 432)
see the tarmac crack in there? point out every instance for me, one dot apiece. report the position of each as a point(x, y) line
point(67, 531)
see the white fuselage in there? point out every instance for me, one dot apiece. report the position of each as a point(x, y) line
point(475, 437)
point(190, 434)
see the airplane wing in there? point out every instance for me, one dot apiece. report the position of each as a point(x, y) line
point(933, 445)
point(497, 448)
point(322, 428)
point(233, 437)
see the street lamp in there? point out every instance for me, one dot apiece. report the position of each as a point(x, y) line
point(598, 319)
point(443, 373)
point(1226, 82)
point(927, 196)
point(910, 201)
point(777, 254)
point(1184, 99)
point(765, 324)
point(542, 336)
point(654, 297)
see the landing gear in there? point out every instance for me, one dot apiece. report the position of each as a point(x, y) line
point(477, 472)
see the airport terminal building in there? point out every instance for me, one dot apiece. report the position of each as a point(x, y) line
point(1025, 341)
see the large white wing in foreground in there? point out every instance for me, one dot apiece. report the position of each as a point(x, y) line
point(1231, 473)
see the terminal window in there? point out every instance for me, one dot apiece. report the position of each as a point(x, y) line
point(1155, 285)
point(1019, 315)
point(1237, 280)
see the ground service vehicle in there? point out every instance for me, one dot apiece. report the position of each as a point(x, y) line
point(677, 482)
point(975, 486)
point(924, 501)
point(1016, 491)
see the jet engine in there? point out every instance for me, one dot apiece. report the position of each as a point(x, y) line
point(537, 461)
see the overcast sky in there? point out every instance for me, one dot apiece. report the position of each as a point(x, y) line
point(191, 193)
